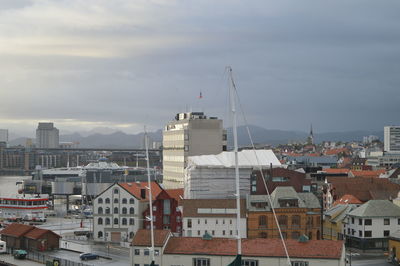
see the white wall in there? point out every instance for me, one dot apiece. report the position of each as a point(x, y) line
point(377, 227)
point(226, 224)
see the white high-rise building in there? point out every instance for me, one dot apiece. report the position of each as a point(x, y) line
point(4, 135)
point(391, 139)
point(47, 136)
point(188, 135)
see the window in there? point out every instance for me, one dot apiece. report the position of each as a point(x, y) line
point(198, 221)
point(230, 232)
point(146, 252)
point(223, 232)
point(131, 201)
point(131, 234)
point(284, 235)
point(368, 222)
point(108, 210)
point(189, 223)
point(299, 263)
point(116, 191)
point(216, 221)
point(107, 201)
point(282, 220)
point(201, 262)
point(360, 233)
point(156, 252)
point(230, 221)
point(124, 221)
point(205, 221)
point(108, 221)
point(247, 262)
point(100, 210)
point(213, 232)
point(386, 221)
point(100, 221)
point(115, 200)
point(137, 251)
point(115, 220)
point(131, 221)
point(296, 221)
point(198, 232)
point(100, 234)
point(398, 221)
point(386, 233)
point(359, 221)
point(100, 201)
point(262, 221)
point(367, 233)
point(166, 219)
point(352, 220)
point(131, 210)
point(262, 234)
point(124, 201)
point(167, 206)
point(115, 210)
point(124, 210)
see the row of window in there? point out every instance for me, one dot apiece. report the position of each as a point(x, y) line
point(366, 233)
point(108, 201)
point(224, 232)
point(100, 234)
point(386, 221)
point(107, 221)
point(146, 252)
point(108, 210)
point(189, 222)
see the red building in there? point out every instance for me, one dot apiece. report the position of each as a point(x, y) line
point(166, 212)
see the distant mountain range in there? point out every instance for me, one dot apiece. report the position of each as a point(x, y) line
point(119, 139)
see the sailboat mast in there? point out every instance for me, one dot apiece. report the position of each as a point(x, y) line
point(150, 195)
point(234, 129)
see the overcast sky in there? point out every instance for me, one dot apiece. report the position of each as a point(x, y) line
point(125, 63)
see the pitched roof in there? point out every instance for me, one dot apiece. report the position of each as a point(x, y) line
point(336, 170)
point(259, 247)
point(347, 199)
point(306, 199)
point(191, 207)
point(16, 230)
point(37, 233)
point(176, 194)
point(135, 188)
point(367, 173)
point(143, 237)
point(377, 208)
point(336, 151)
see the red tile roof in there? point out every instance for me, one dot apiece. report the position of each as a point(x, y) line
point(37, 233)
point(142, 237)
point(176, 194)
point(259, 247)
point(16, 230)
point(347, 199)
point(367, 173)
point(135, 187)
point(336, 170)
point(336, 151)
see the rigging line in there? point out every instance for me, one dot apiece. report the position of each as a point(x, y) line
point(263, 177)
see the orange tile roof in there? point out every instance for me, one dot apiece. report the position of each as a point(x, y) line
point(336, 151)
point(16, 230)
point(336, 170)
point(368, 173)
point(176, 194)
point(135, 187)
point(259, 247)
point(347, 199)
point(142, 237)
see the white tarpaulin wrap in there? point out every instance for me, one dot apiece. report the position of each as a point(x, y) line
point(213, 176)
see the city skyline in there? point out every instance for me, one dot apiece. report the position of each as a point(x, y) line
point(86, 64)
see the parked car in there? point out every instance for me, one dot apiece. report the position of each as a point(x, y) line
point(20, 254)
point(88, 256)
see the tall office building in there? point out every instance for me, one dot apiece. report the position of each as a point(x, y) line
point(188, 135)
point(4, 135)
point(47, 136)
point(391, 136)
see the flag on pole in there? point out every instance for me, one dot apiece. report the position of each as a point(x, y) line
point(200, 96)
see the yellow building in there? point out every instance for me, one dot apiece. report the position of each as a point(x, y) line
point(394, 247)
point(333, 221)
point(297, 214)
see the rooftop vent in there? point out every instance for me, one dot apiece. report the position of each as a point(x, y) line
point(303, 239)
point(206, 236)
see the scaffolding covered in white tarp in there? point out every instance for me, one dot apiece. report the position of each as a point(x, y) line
point(213, 176)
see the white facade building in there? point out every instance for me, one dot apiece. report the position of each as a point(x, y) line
point(217, 217)
point(213, 176)
point(47, 136)
point(391, 136)
point(117, 212)
point(369, 226)
point(188, 135)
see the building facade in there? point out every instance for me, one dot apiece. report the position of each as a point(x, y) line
point(297, 213)
point(189, 134)
point(47, 136)
point(117, 212)
point(370, 225)
point(216, 217)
